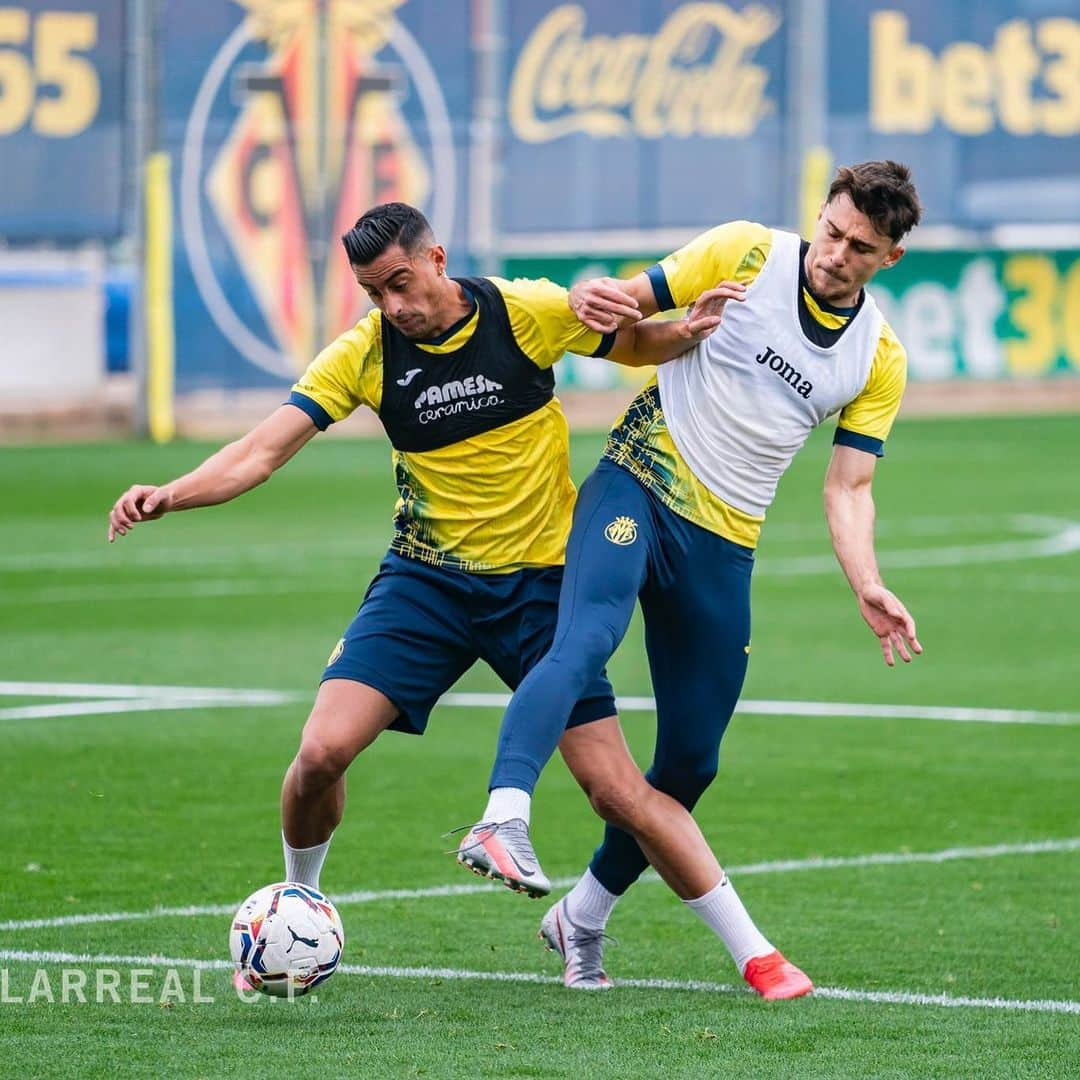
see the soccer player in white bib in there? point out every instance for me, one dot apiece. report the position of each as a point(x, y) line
point(671, 516)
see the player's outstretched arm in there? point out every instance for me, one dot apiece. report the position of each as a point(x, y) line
point(849, 508)
point(234, 469)
point(654, 341)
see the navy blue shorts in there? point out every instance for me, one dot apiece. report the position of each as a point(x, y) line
point(420, 628)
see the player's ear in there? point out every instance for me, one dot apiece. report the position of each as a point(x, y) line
point(437, 255)
point(894, 256)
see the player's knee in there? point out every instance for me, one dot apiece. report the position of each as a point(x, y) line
point(686, 780)
point(321, 762)
point(619, 800)
point(584, 650)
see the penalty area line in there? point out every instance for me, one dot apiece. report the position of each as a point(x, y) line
point(827, 993)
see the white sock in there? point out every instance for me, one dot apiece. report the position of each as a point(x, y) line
point(507, 803)
point(589, 904)
point(724, 914)
point(305, 864)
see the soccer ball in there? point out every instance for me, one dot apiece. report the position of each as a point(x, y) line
point(286, 939)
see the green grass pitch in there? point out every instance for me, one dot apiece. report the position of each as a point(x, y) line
point(114, 811)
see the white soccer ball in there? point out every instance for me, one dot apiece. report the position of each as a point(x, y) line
point(286, 939)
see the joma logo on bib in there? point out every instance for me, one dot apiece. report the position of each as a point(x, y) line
point(458, 396)
point(779, 366)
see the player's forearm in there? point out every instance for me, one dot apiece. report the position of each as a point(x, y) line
point(849, 511)
point(233, 470)
point(651, 342)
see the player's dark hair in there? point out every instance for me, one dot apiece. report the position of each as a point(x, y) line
point(883, 191)
point(384, 226)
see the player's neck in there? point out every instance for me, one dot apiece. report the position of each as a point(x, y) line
point(457, 304)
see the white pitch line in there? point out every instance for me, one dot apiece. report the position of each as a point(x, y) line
point(121, 699)
point(873, 997)
point(127, 690)
point(907, 712)
point(113, 700)
point(876, 997)
point(753, 707)
point(781, 866)
point(96, 708)
point(225, 696)
point(126, 705)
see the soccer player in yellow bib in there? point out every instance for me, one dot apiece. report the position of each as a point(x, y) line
point(671, 515)
point(459, 371)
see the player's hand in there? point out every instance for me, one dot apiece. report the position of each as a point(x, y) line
point(708, 309)
point(603, 305)
point(141, 502)
point(891, 621)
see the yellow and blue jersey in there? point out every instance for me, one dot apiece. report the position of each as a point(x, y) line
point(481, 446)
point(641, 441)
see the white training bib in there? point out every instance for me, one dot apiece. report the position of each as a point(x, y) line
point(741, 403)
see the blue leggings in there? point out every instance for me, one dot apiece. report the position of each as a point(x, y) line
point(694, 588)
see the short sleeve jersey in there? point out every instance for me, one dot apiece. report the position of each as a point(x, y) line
point(494, 501)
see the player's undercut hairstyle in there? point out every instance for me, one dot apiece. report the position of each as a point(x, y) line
point(384, 226)
point(883, 191)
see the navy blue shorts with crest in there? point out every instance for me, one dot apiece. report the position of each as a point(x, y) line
point(420, 627)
